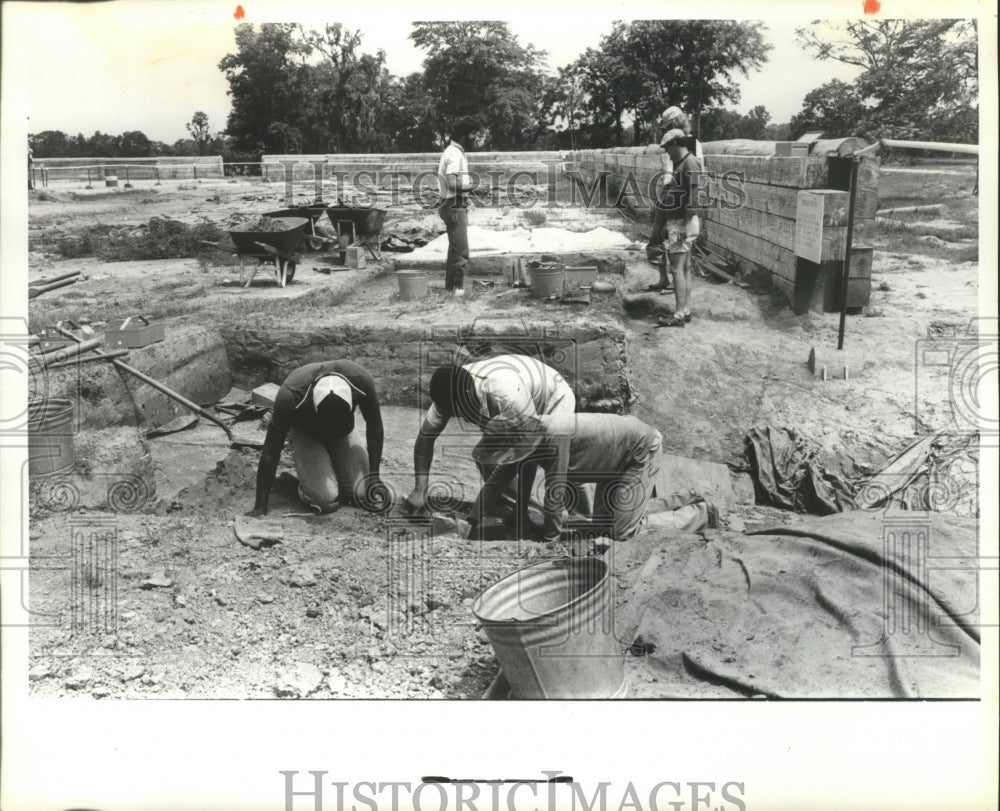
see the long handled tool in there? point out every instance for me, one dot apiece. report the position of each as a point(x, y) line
point(34, 292)
point(197, 409)
point(59, 278)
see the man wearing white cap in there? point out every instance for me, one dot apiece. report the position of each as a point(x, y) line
point(314, 409)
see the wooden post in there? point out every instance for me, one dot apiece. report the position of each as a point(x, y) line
point(847, 253)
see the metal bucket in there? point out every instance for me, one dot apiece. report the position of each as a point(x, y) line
point(412, 284)
point(50, 436)
point(547, 281)
point(551, 628)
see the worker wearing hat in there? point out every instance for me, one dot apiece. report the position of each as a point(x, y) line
point(672, 118)
point(314, 409)
point(618, 454)
point(682, 224)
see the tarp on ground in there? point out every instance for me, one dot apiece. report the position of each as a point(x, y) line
point(851, 605)
point(490, 242)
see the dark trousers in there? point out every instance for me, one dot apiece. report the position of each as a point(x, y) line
point(456, 222)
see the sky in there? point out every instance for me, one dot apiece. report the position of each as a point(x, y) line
point(148, 65)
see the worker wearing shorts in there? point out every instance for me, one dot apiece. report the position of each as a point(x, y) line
point(682, 224)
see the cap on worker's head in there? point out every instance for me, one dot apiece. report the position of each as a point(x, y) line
point(332, 401)
point(673, 137)
point(508, 439)
point(671, 115)
point(454, 392)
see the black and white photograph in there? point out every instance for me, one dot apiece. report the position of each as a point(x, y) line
point(410, 390)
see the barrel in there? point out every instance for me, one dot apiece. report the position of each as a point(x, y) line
point(547, 281)
point(412, 284)
point(551, 628)
point(50, 436)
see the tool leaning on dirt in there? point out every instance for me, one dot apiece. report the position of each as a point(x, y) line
point(197, 409)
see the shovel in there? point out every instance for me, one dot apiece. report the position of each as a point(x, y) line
point(197, 409)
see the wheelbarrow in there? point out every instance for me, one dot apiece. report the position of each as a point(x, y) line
point(312, 213)
point(363, 224)
point(269, 246)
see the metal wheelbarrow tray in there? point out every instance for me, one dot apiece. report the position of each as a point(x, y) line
point(365, 223)
point(278, 246)
point(312, 213)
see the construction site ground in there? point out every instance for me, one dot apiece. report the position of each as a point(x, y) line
point(338, 607)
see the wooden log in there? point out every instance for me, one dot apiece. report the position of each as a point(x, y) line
point(830, 363)
point(938, 209)
point(777, 230)
point(777, 200)
point(798, 173)
point(840, 147)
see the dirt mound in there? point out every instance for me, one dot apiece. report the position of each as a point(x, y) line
point(263, 225)
point(231, 483)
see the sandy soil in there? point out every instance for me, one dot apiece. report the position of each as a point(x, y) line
point(353, 604)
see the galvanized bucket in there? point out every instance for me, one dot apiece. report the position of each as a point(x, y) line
point(551, 628)
point(547, 281)
point(412, 284)
point(50, 436)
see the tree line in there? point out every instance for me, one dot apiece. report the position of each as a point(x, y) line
point(298, 90)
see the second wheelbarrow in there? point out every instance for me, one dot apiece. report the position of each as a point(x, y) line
point(362, 223)
point(312, 213)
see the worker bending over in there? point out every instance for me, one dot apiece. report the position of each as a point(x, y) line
point(618, 454)
point(314, 409)
point(515, 386)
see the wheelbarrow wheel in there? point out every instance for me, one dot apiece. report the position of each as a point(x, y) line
point(289, 272)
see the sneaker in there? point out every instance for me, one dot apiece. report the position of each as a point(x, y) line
point(687, 318)
point(458, 292)
point(671, 321)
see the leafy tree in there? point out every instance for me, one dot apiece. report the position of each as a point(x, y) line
point(480, 69)
point(833, 107)
point(409, 114)
point(200, 131)
point(919, 78)
point(49, 144)
point(646, 65)
point(264, 84)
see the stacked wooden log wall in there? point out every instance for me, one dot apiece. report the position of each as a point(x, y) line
point(750, 217)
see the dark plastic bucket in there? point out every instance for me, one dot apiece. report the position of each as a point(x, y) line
point(551, 628)
point(50, 436)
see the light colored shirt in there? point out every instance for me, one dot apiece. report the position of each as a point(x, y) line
point(512, 386)
point(453, 162)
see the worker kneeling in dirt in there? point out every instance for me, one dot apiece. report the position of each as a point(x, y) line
point(314, 409)
point(511, 385)
point(620, 455)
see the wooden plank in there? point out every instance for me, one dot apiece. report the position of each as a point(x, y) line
point(777, 260)
point(777, 200)
point(798, 173)
point(777, 230)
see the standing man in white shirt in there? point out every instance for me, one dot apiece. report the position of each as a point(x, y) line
point(455, 180)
